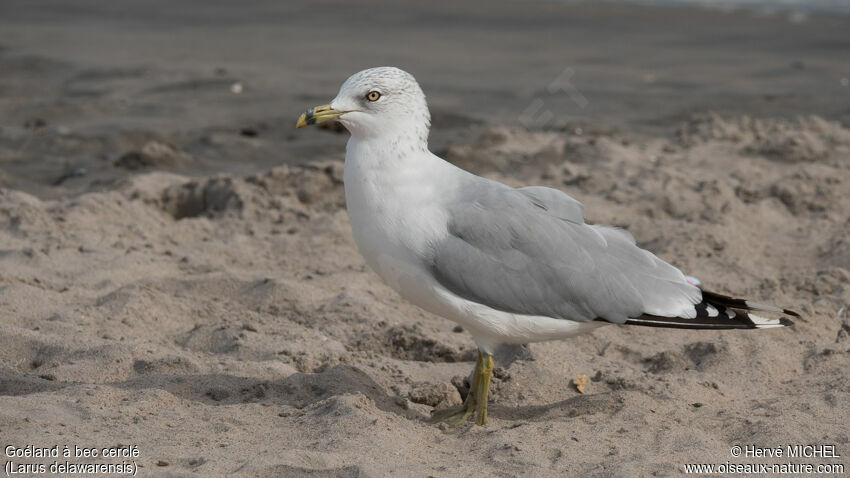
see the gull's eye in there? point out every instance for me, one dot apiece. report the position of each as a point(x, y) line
point(373, 95)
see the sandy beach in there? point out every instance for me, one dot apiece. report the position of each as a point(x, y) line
point(178, 274)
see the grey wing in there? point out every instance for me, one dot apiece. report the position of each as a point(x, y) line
point(528, 251)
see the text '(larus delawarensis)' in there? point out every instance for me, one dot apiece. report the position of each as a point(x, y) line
point(511, 265)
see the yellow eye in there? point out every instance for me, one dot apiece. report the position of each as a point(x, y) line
point(373, 96)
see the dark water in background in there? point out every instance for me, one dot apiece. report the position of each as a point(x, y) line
point(103, 78)
point(763, 6)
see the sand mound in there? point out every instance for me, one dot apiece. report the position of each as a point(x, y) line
point(153, 154)
point(807, 138)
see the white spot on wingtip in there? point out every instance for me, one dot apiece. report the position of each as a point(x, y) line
point(764, 323)
point(712, 311)
point(757, 306)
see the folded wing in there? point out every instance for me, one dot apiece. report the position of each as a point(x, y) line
point(529, 251)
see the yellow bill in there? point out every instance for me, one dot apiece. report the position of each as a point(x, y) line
point(318, 114)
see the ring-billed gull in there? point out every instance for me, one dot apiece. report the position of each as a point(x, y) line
point(512, 265)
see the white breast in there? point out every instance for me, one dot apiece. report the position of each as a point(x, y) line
point(395, 211)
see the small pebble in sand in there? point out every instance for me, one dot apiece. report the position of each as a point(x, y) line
point(580, 382)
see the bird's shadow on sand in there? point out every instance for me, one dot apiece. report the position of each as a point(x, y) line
point(607, 403)
point(300, 390)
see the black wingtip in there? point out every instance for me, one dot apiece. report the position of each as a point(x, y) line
point(791, 313)
point(786, 321)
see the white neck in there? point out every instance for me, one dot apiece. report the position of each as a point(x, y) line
point(388, 154)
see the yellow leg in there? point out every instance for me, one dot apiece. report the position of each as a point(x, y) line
point(476, 399)
point(483, 387)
